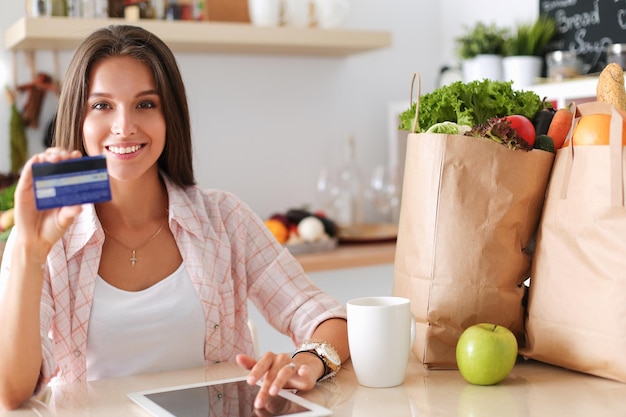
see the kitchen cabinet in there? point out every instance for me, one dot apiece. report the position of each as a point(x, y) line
point(63, 33)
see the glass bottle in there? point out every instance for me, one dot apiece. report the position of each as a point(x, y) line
point(172, 11)
point(38, 8)
point(349, 204)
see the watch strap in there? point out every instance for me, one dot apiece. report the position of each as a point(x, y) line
point(331, 366)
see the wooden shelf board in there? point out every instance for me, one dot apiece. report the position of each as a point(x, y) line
point(349, 256)
point(62, 33)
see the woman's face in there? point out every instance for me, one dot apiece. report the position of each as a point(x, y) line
point(124, 120)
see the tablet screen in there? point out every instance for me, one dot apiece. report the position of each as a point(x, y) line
point(223, 398)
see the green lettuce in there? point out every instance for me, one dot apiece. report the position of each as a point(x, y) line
point(470, 104)
point(449, 128)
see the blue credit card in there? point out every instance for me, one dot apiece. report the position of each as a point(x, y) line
point(71, 182)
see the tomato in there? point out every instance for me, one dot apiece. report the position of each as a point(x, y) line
point(523, 126)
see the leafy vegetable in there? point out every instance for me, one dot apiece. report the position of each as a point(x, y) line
point(450, 128)
point(499, 130)
point(6, 197)
point(470, 104)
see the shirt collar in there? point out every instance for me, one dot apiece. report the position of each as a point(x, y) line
point(181, 207)
point(87, 229)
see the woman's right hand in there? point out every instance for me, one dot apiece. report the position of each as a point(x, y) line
point(40, 229)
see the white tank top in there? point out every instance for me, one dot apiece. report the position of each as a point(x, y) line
point(157, 329)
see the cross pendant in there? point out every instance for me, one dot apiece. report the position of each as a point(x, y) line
point(133, 259)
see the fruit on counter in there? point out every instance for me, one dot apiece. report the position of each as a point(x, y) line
point(486, 353)
point(7, 220)
point(311, 229)
point(317, 226)
point(296, 215)
point(560, 126)
point(278, 229)
point(593, 129)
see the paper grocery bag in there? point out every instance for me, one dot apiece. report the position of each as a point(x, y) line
point(577, 299)
point(470, 207)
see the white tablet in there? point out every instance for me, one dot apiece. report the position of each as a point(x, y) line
point(231, 397)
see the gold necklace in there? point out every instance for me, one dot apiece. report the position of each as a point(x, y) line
point(133, 258)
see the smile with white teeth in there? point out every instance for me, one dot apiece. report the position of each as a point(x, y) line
point(122, 150)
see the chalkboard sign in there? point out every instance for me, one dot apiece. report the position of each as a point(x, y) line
point(587, 27)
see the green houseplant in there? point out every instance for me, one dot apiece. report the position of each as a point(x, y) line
point(524, 51)
point(530, 39)
point(482, 39)
point(481, 50)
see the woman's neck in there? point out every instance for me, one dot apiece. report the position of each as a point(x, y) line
point(134, 204)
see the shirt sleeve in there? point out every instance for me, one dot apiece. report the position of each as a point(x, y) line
point(278, 286)
point(48, 365)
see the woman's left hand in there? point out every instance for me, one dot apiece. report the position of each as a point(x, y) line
point(281, 371)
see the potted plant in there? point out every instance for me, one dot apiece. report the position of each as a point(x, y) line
point(524, 50)
point(481, 50)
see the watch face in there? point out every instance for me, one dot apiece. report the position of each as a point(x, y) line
point(331, 354)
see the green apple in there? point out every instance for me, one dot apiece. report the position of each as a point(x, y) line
point(486, 353)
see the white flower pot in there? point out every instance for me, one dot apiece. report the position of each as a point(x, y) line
point(522, 70)
point(483, 66)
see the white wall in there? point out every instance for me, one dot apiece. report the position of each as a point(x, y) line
point(264, 125)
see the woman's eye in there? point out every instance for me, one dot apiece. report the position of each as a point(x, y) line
point(146, 105)
point(100, 106)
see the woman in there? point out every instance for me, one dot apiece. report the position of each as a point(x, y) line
point(158, 277)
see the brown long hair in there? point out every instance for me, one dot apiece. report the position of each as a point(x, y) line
point(176, 159)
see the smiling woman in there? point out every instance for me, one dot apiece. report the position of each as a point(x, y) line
point(161, 247)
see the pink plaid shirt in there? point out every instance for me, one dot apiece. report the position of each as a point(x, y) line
point(230, 255)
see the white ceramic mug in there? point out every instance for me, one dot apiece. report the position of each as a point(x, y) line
point(265, 12)
point(330, 13)
point(381, 332)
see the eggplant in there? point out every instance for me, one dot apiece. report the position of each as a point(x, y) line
point(543, 118)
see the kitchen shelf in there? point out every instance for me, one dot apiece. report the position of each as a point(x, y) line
point(63, 33)
point(563, 92)
point(349, 256)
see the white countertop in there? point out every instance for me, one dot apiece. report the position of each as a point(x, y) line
point(532, 389)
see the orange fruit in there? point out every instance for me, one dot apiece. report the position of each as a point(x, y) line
point(593, 129)
point(278, 229)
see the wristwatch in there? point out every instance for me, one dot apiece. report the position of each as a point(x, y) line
point(327, 354)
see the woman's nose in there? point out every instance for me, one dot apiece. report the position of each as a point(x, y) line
point(124, 124)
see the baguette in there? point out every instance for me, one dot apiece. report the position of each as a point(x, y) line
point(610, 87)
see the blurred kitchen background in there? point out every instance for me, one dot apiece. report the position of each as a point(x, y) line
point(266, 126)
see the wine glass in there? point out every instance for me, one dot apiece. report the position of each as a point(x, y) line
point(326, 190)
point(384, 191)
